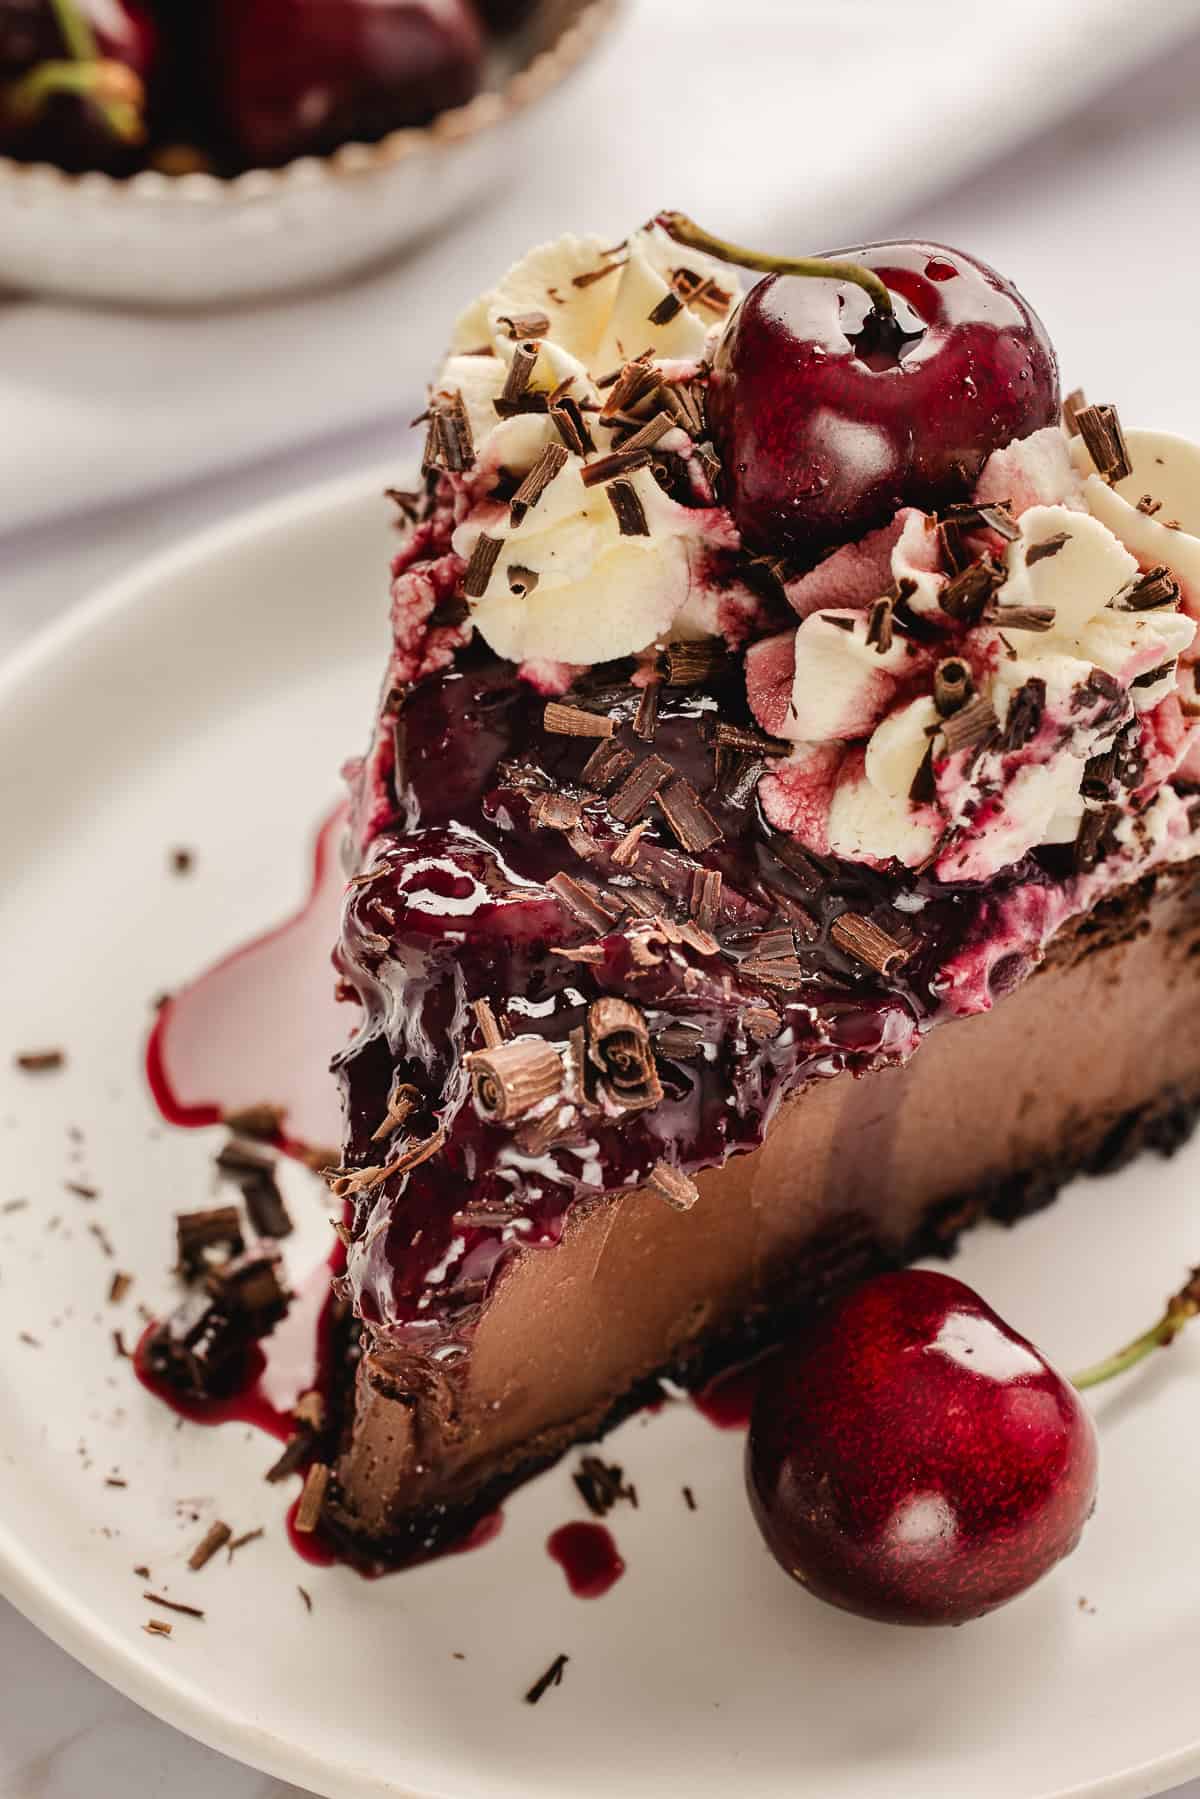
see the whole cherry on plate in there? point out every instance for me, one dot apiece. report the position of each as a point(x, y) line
point(886, 381)
point(912, 1458)
point(300, 77)
point(74, 78)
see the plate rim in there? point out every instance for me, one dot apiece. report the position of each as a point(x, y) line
point(32, 1588)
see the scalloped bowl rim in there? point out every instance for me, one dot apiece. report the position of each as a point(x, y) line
point(351, 161)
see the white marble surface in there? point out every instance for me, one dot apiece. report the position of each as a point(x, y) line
point(1095, 220)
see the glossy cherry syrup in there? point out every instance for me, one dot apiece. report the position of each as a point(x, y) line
point(588, 1557)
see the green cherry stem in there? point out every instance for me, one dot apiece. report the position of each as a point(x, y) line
point(114, 89)
point(685, 231)
point(77, 33)
point(1181, 1308)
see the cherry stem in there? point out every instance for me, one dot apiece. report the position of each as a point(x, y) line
point(112, 87)
point(685, 231)
point(1181, 1308)
point(76, 30)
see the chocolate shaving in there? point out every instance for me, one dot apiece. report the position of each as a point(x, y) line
point(1148, 505)
point(525, 324)
point(630, 513)
point(971, 725)
point(250, 1285)
point(739, 783)
point(967, 594)
point(590, 276)
point(1095, 837)
point(312, 1499)
point(512, 1078)
point(479, 568)
point(636, 792)
point(567, 416)
point(552, 460)
point(588, 953)
point(485, 1019)
point(645, 721)
point(306, 1596)
point(1100, 429)
point(607, 764)
point(682, 401)
point(247, 1537)
point(995, 516)
point(1157, 587)
point(262, 1122)
point(551, 1678)
point(1023, 720)
point(198, 1232)
point(618, 462)
point(671, 1184)
point(761, 1023)
point(81, 1190)
point(733, 737)
point(119, 1286)
point(1154, 675)
point(689, 1499)
point(40, 1061)
point(573, 721)
point(1023, 618)
point(214, 1538)
point(520, 373)
point(692, 823)
point(680, 1042)
point(629, 385)
point(692, 663)
point(1049, 546)
point(555, 811)
point(923, 787)
point(173, 1605)
point(668, 308)
point(601, 1485)
point(403, 1101)
point(155, 1627)
point(1072, 406)
point(952, 685)
point(585, 902)
point(867, 943)
point(255, 1175)
point(294, 1455)
point(619, 1065)
point(625, 854)
point(449, 444)
point(521, 580)
point(706, 897)
point(880, 626)
point(406, 502)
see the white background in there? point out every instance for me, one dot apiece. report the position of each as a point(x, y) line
point(794, 125)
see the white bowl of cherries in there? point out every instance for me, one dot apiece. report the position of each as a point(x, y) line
point(169, 152)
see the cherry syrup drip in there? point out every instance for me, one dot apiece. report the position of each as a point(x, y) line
point(588, 1557)
point(729, 1400)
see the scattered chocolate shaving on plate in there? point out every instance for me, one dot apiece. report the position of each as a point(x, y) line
point(14, 1205)
point(81, 1190)
point(119, 1286)
point(674, 1186)
point(157, 1627)
point(182, 861)
point(574, 721)
point(142, 1573)
point(247, 1536)
point(295, 1453)
point(173, 1605)
point(1100, 429)
point(262, 1122)
point(306, 1596)
point(119, 1349)
point(214, 1538)
point(255, 1175)
point(102, 1237)
point(551, 1678)
point(602, 1485)
point(689, 1499)
point(40, 1061)
point(868, 943)
point(218, 1227)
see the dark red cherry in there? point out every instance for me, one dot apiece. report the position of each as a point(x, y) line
point(913, 1459)
point(300, 77)
point(829, 414)
point(74, 80)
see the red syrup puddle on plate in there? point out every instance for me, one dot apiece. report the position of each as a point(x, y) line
point(728, 1400)
point(588, 1557)
point(262, 1024)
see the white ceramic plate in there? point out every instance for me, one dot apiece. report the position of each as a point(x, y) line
point(207, 701)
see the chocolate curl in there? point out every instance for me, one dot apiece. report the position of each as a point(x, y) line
point(619, 1053)
point(511, 1078)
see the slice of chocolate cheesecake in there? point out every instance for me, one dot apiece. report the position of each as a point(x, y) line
point(673, 845)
